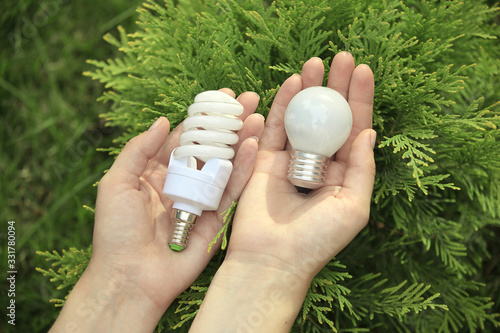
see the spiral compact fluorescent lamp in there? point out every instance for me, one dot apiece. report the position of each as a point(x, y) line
point(207, 135)
point(318, 122)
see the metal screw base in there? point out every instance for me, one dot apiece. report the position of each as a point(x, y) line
point(182, 223)
point(307, 170)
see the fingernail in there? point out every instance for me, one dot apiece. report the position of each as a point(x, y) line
point(373, 138)
point(253, 92)
point(155, 124)
point(346, 54)
point(261, 115)
point(255, 138)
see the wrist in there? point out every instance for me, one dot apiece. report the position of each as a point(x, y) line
point(107, 303)
point(239, 268)
point(252, 297)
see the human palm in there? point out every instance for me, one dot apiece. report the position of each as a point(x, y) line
point(133, 216)
point(300, 233)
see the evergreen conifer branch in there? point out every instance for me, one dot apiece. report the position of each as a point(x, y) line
point(323, 291)
point(228, 217)
point(436, 66)
point(71, 264)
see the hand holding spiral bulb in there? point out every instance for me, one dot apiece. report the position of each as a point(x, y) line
point(208, 133)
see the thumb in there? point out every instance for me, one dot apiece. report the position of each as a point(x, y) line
point(135, 156)
point(360, 172)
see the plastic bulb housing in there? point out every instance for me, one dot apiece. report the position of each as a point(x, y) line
point(318, 121)
point(193, 191)
point(208, 134)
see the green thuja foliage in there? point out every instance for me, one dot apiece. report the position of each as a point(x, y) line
point(71, 264)
point(423, 263)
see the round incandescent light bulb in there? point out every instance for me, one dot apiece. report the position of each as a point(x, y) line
point(318, 121)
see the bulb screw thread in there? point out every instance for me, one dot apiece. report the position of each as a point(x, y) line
point(307, 170)
point(182, 223)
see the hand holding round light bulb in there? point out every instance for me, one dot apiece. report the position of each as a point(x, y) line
point(300, 233)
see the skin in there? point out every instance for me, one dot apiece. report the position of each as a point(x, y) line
point(280, 238)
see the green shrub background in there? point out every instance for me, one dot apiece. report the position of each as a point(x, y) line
point(429, 258)
point(49, 132)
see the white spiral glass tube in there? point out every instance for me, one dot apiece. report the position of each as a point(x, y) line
point(210, 128)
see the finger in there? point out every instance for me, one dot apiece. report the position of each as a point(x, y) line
point(244, 163)
point(163, 156)
point(135, 156)
point(360, 171)
point(252, 126)
point(312, 73)
point(228, 91)
point(250, 101)
point(274, 135)
point(340, 73)
point(361, 91)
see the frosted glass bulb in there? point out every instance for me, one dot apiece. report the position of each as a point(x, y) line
point(207, 135)
point(318, 122)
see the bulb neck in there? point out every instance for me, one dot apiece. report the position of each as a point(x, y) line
point(307, 170)
point(182, 223)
